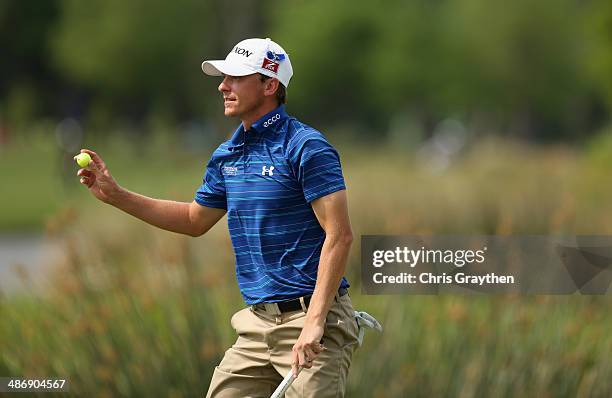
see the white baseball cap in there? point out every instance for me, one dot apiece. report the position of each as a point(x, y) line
point(253, 56)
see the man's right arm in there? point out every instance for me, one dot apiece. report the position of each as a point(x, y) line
point(185, 218)
point(181, 217)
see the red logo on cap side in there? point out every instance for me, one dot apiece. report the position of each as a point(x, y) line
point(270, 65)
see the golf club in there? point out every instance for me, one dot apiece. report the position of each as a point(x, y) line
point(284, 385)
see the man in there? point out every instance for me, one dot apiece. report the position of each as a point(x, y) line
point(281, 184)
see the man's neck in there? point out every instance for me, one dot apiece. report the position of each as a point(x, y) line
point(255, 115)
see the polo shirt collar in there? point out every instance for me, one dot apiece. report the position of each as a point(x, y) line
point(267, 122)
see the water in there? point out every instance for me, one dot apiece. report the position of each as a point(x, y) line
point(25, 260)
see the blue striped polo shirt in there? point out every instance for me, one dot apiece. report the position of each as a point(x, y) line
point(266, 178)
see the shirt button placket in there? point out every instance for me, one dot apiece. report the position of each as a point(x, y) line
point(245, 157)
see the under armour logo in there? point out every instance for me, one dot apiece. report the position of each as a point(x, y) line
point(265, 170)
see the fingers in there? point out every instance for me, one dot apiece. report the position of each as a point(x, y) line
point(294, 363)
point(304, 358)
point(85, 173)
point(318, 348)
point(303, 361)
point(87, 177)
point(309, 356)
point(87, 181)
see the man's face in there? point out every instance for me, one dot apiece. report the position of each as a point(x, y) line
point(241, 94)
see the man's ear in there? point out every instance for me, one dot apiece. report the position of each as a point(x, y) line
point(271, 85)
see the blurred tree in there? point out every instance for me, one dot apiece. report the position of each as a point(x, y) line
point(600, 50)
point(139, 56)
point(26, 81)
point(523, 63)
point(539, 69)
point(328, 43)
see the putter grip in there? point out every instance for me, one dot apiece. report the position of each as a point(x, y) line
point(283, 386)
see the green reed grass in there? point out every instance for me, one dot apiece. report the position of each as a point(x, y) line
point(134, 311)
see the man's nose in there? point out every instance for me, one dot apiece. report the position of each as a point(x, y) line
point(223, 86)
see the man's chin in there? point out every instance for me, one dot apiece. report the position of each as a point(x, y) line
point(229, 112)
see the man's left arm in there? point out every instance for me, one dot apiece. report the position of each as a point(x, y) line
point(332, 213)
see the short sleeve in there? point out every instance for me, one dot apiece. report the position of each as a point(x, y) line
point(316, 165)
point(212, 191)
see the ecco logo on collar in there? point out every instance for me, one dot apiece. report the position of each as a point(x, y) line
point(271, 121)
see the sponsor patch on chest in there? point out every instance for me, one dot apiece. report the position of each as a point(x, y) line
point(229, 170)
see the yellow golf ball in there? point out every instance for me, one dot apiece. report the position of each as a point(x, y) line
point(83, 159)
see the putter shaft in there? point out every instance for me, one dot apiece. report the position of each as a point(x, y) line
point(283, 386)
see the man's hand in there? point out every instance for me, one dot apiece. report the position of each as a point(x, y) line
point(98, 179)
point(307, 347)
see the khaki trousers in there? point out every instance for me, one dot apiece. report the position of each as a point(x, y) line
point(261, 357)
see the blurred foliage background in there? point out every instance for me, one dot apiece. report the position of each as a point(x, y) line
point(540, 70)
point(451, 116)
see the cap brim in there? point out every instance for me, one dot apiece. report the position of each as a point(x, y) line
point(222, 67)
